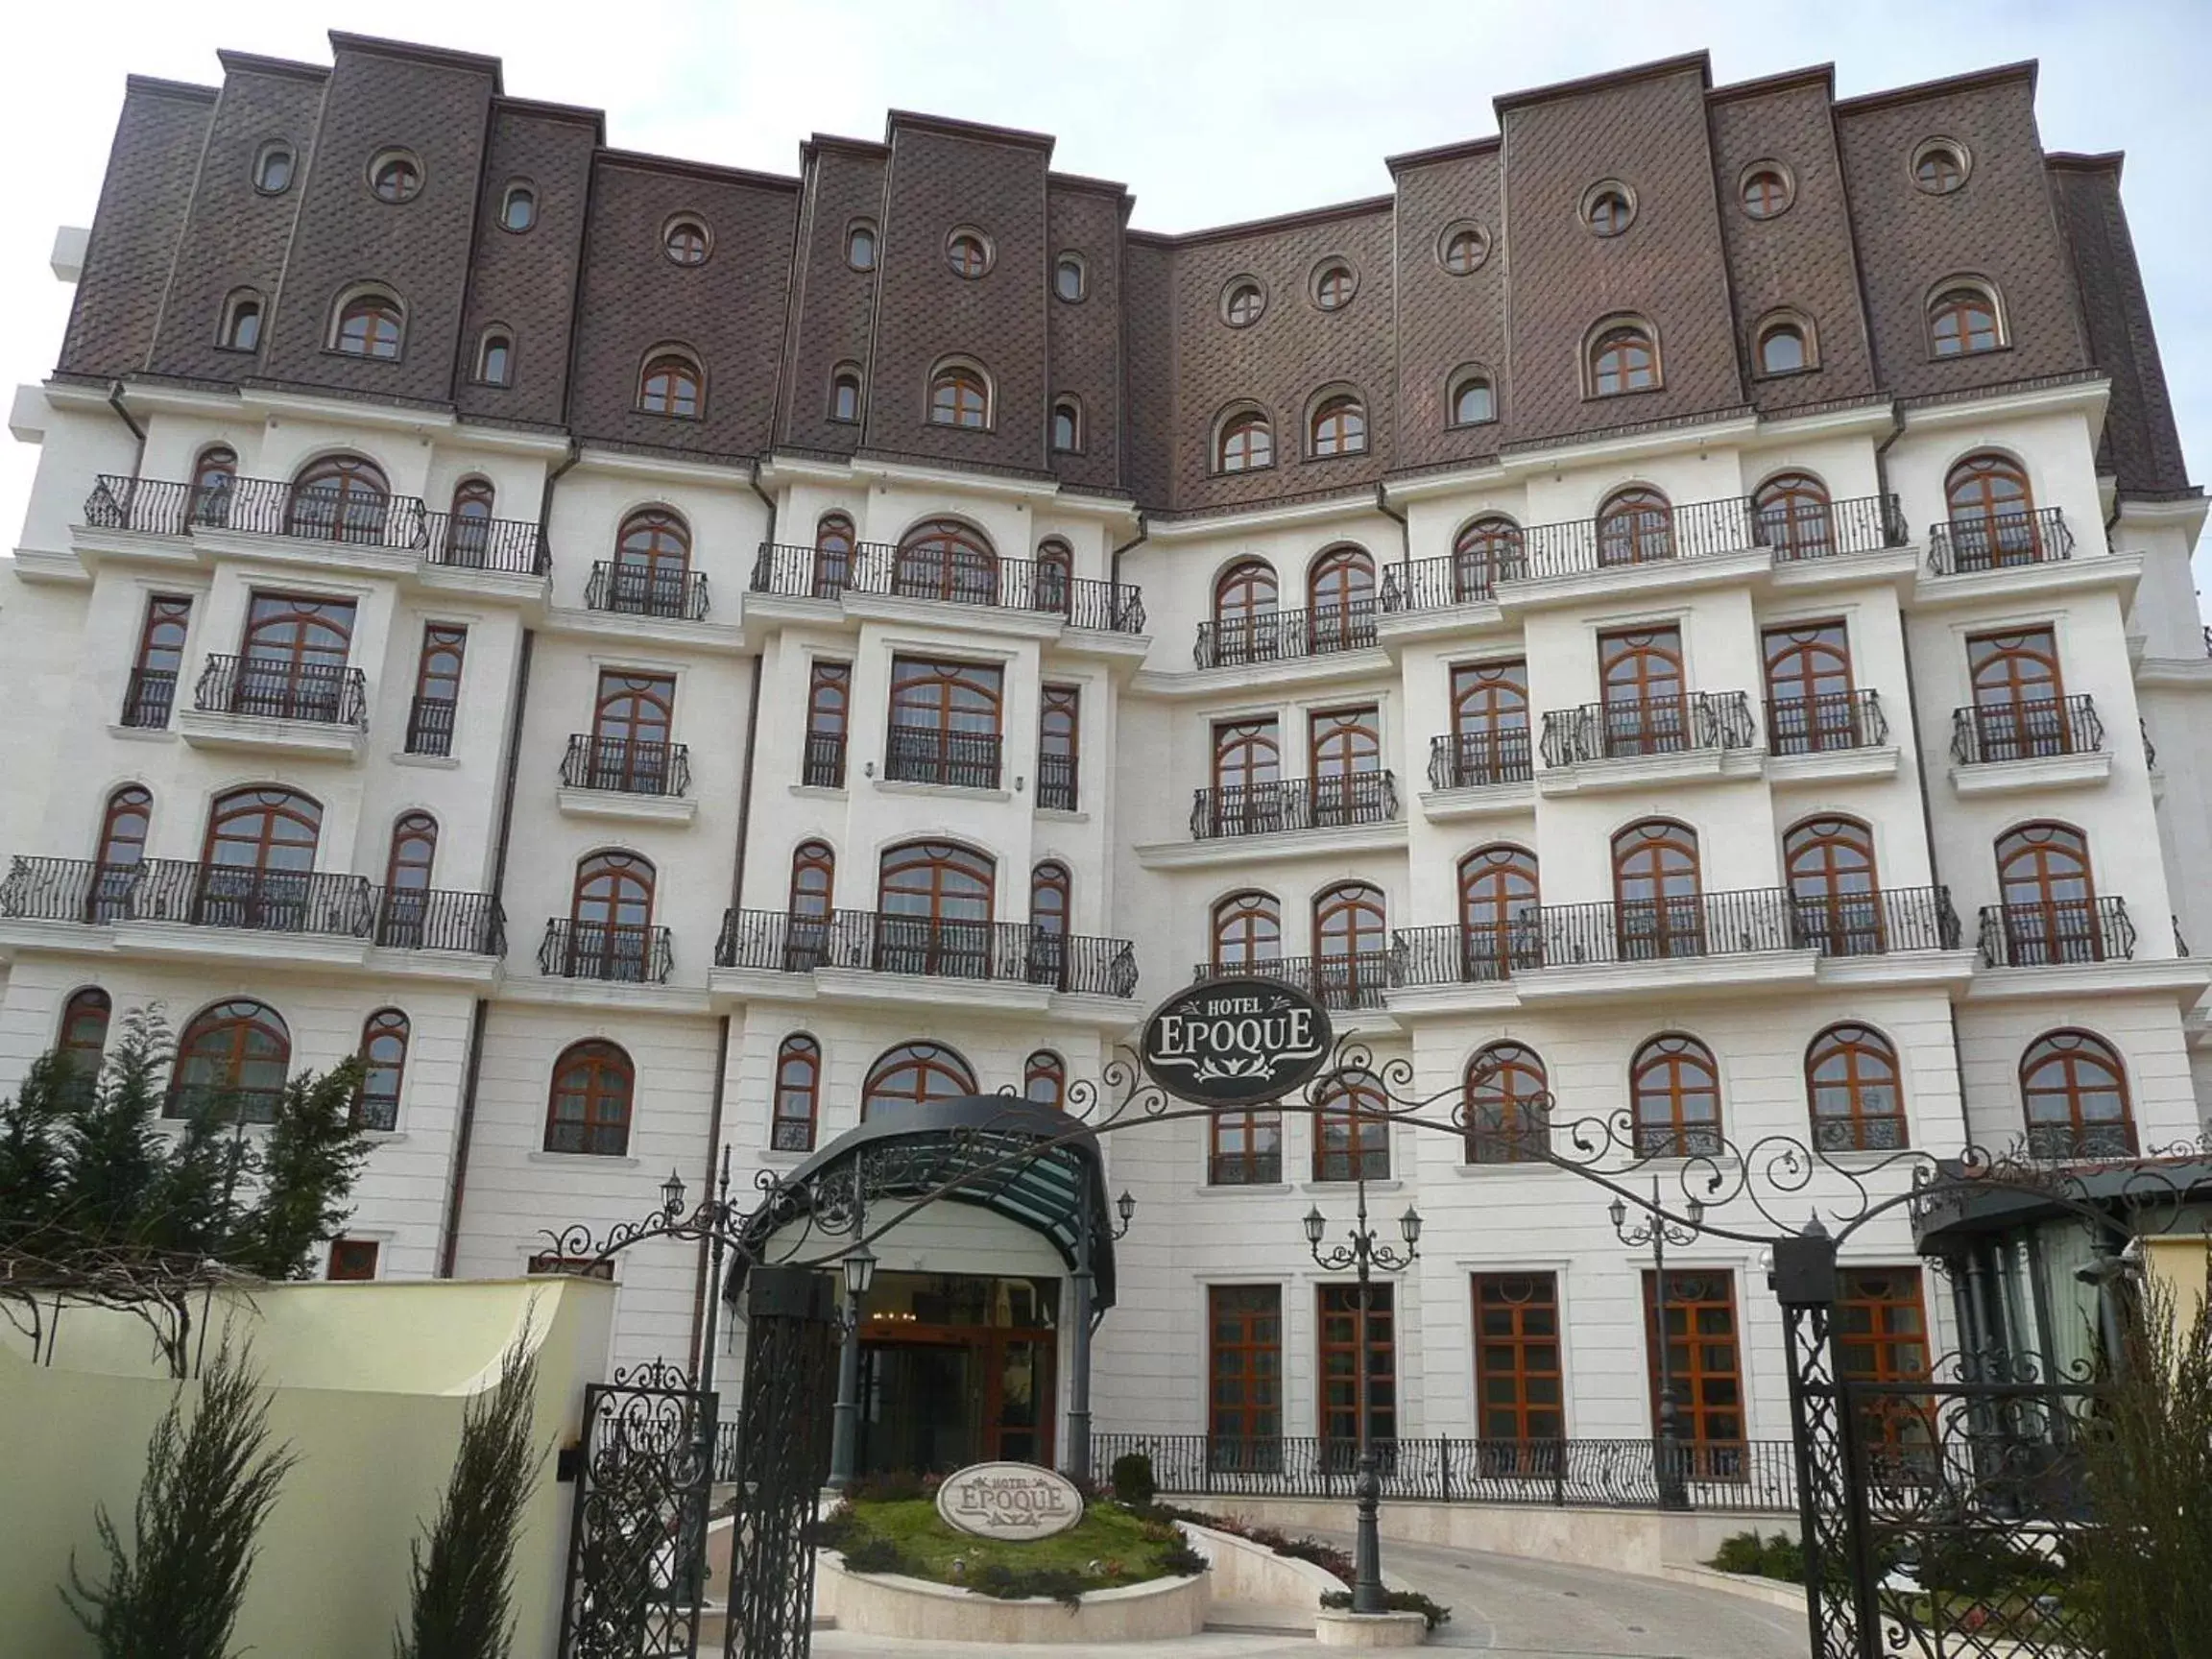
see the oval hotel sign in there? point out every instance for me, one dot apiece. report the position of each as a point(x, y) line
point(1236, 1041)
point(1009, 1500)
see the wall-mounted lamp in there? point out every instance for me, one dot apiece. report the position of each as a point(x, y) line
point(1018, 781)
point(868, 769)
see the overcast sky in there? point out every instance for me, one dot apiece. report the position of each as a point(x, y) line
point(1210, 112)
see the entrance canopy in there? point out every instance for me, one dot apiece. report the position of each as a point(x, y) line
point(1048, 1185)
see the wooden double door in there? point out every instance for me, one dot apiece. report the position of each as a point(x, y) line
point(940, 1397)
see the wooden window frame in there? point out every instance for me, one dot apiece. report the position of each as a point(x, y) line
point(1858, 1061)
point(352, 1260)
point(1499, 896)
point(795, 1113)
point(1245, 1347)
point(811, 859)
point(1244, 593)
point(845, 396)
point(1883, 1339)
point(946, 559)
point(1338, 427)
point(1964, 321)
point(1506, 1096)
point(1635, 526)
point(1489, 550)
point(1714, 1451)
point(602, 1079)
point(224, 1032)
point(1460, 389)
point(373, 326)
point(1238, 922)
point(960, 398)
point(1489, 705)
point(672, 385)
point(1245, 443)
point(1794, 513)
point(2048, 859)
point(924, 1061)
point(2076, 1054)
point(1244, 1149)
point(1352, 1131)
point(81, 1037)
point(1661, 1090)
point(948, 865)
point(1337, 1419)
point(829, 722)
point(1060, 746)
point(1518, 1356)
point(1623, 360)
point(376, 1106)
point(1830, 869)
point(1044, 1067)
point(273, 805)
point(339, 499)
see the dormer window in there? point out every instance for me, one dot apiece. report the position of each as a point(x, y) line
point(960, 396)
point(241, 321)
point(1067, 427)
point(1071, 281)
point(685, 240)
point(845, 392)
point(519, 208)
point(369, 325)
point(1609, 208)
point(272, 169)
point(395, 176)
point(495, 358)
point(968, 253)
point(671, 384)
point(860, 246)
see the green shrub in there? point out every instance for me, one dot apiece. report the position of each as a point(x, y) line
point(1133, 1483)
point(1779, 1557)
point(1434, 1612)
point(1063, 1584)
point(869, 1553)
point(1181, 1560)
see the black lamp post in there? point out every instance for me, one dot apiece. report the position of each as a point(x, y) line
point(1656, 1230)
point(1364, 1255)
point(1078, 1459)
point(859, 1264)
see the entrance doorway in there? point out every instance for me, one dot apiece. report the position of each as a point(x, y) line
point(956, 1369)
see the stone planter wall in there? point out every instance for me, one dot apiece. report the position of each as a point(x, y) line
point(888, 1604)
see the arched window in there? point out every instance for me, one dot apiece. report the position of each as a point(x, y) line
point(1486, 553)
point(83, 1039)
point(1244, 443)
point(1338, 427)
point(2074, 1092)
point(588, 1111)
point(1340, 596)
point(519, 208)
point(1640, 674)
point(1352, 1131)
point(1473, 400)
point(685, 240)
point(933, 903)
point(1054, 576)
point(1051, 898)
point(1785, 347)
point(121, 848)
point(1067, 427)
point(1809, 708)
point(407, 882)
point(845, 392)
point(272, 169)
point(1489, 742)
point(383, 1063)
point(1044, 1079)
point(1962, 320)
point(369, 325)
point(214, 476)
point(468, 523)
point(1507, 1102)
point(1675, 1096)
point(395, 176)
point(1350, 961)
point(946, 559)
point(652, 565)
point(1498, 922)
point(671, 384)
point(341, 499)
point(1791, 514)
point(1635, 526)
point(1851, 1086)
point(257, 832)
point(235, 1056)
point(807, 906)
point(960, 396)
point(2019, 696)
point(2050, 897)
point(914, 1074)
point(241, 330)
point(860, 246)
point(834, 543)
point(1623, 358)
point(1248, 930)
point(1834, 897)
point(797, 1094)
point(1992, 513)
point(610, 917)
point(495, 358)
point(1659, 909)
point(1244, 594)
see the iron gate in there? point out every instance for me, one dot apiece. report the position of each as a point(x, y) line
point(636, 1543)
point(1943, 1517)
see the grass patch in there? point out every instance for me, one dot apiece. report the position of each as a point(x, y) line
point(909, 1536)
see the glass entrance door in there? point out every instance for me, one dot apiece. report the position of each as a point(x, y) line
point(956, 1369)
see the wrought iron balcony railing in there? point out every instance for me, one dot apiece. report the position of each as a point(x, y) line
point(927, 755)
point(1667, 929)
point(1334, 803)
point(642, 590)
point(2057, 934)
point(1988, 732)
point(1244, 1169)
point(626, 765)
point(877, 567)
point(305, 902)
point(1009, 952)
point(258, 507)
point(1278, 636)
point(1999, 541)
point(1661, 726)
point(1469, 759)
point(430, 725)
point(148, 698)
point(326, 694)
point(1819, 725)
point(1691, 530)
point(822, 764)
point(2082, 1141)
point(466, 542)
point(628, 953)
point(1056, 775)
point(1357, 980)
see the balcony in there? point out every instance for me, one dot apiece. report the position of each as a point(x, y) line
point(877, 568)
point(867, 941)
point(1740, 923)
point(1056, 783)
point(274, 506)
point(430, 726)
point(148, 698)
point(626, 765)
point(823, 765)
point(620, 953)
point(955, 759)
point(1999, 541)
point(1281, 635)
point(642, 590)
point(1477, 759)
point(1245, 1168)
point(2061, 933)
point(1693, 530)
point(323, 693)
point(2079, 1142)
point(301, 902)
point(1991, 734)
point(1291, 804)
point(1826, 724)
point(1341, 983)
point(1697, 724)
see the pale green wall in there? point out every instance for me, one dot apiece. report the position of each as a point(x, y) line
point(368, 1382)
